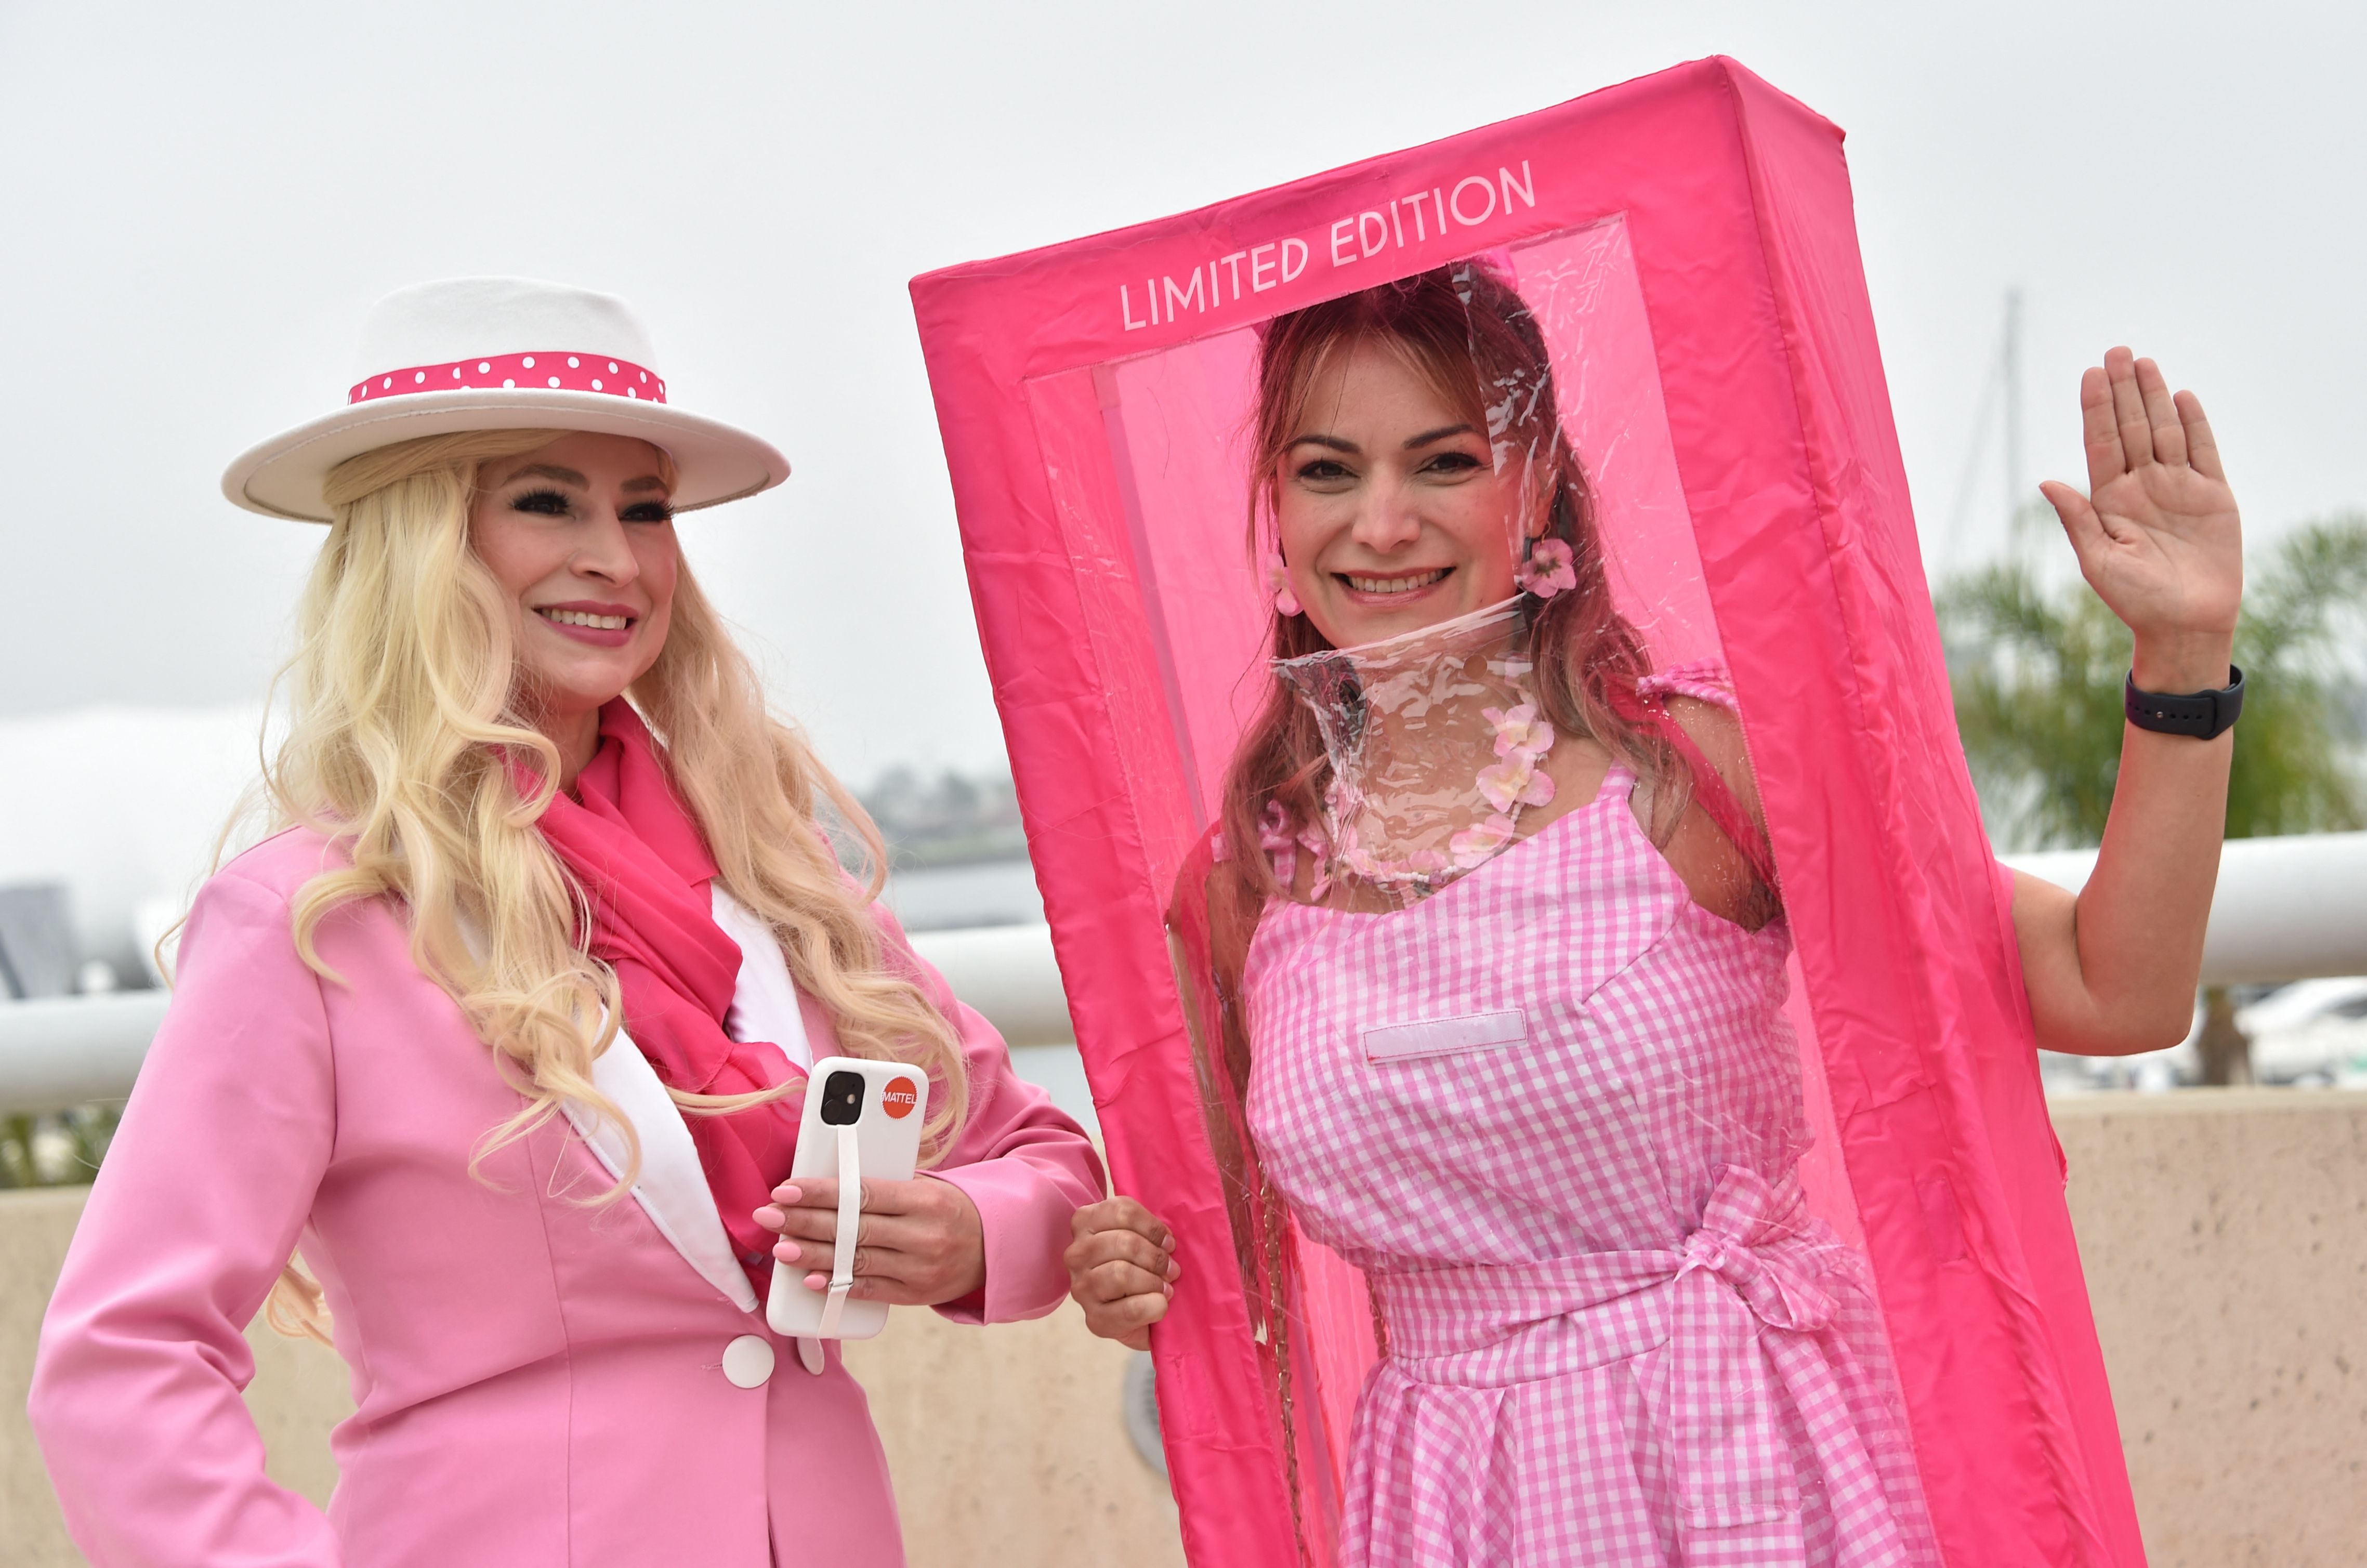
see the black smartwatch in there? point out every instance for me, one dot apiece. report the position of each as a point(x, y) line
point(2203, 716)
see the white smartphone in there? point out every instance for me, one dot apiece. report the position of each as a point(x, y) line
point(884, 1104)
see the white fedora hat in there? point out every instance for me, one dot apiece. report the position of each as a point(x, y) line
point(501, 354)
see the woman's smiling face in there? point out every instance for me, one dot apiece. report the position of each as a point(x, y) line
point(580, 535)
point(1391, 513)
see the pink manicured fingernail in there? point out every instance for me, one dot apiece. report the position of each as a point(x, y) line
point(786, 1194)
point(787, 1251)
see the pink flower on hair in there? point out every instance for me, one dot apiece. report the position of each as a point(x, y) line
point(1551, 569)
point(1278, 578)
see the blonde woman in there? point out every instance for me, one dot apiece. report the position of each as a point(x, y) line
point(505, 1031)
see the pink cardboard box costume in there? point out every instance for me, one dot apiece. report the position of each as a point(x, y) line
point(1689, 238)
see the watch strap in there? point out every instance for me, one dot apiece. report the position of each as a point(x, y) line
point(2203, 714)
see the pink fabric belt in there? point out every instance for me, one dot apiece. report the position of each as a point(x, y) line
point(1748, 1269)
point(1751, 1260)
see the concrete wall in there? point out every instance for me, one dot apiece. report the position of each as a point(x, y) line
point(2226, 1239)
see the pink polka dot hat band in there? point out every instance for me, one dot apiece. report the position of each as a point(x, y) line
point(465, 353)
point(572, 372)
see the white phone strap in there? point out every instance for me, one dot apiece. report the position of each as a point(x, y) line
point(842, 1267)
point(850, 1226)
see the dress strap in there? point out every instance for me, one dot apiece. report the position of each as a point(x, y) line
point(1701, 678)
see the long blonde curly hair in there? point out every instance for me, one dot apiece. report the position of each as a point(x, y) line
point(406, 706)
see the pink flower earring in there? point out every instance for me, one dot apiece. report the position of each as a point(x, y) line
point(1550, 569)
point(1278, 578)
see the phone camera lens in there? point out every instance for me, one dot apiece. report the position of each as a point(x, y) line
point(842, 1100)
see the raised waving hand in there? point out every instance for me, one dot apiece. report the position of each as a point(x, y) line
point(2156, 535)
point(2113, 969)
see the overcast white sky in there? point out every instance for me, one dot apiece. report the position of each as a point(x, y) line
point(198, 203)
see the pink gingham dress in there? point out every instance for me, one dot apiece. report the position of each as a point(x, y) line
point(1554, 1113)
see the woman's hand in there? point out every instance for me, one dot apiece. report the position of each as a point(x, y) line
point(920, 1242)
point(1121, 1270)
point(2157, 535)
point(2113, 970)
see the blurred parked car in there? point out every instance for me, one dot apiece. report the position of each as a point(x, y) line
point(2311, 1032)
point(2147, 1072)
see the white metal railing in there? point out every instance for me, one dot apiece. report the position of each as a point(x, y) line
point(2286, 909)
point(65, 1050)
point(61, 1051)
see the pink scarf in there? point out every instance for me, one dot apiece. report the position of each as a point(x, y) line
point(644, 867)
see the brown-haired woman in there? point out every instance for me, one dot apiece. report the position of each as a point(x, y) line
point(1498, 965)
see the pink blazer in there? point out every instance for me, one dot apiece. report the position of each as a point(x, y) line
point(536, 1382)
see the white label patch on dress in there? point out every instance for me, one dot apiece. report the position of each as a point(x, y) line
point(1445, 1036)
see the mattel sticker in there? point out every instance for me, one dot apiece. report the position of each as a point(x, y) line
point(898, 1097)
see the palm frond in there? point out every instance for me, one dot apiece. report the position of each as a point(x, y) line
point(2037, 679)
